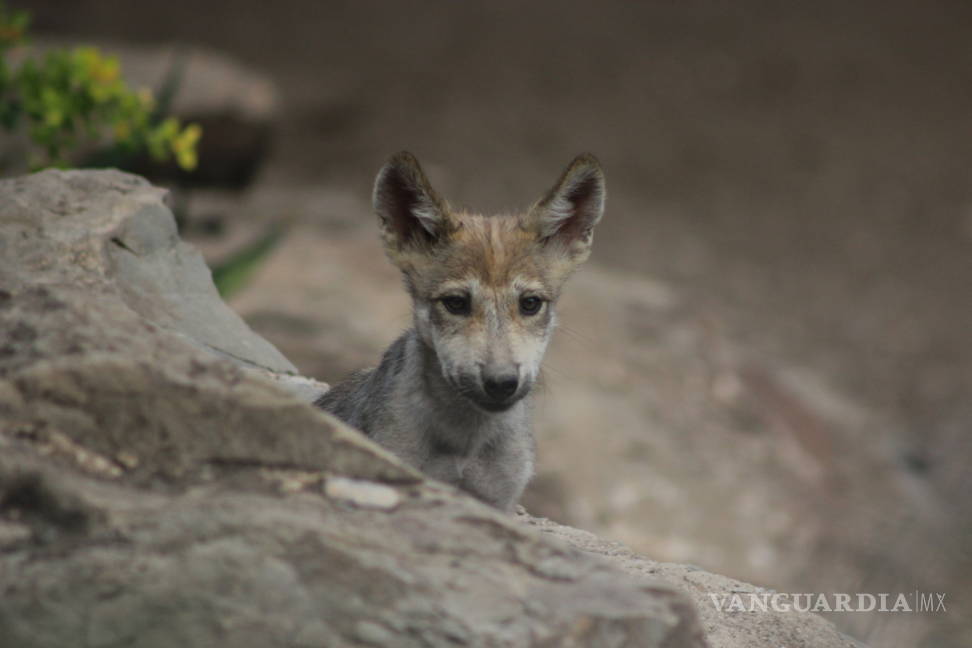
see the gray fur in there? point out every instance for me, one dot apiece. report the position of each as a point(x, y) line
point(406, 405)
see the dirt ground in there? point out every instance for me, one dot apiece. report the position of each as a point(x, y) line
point(798, 173)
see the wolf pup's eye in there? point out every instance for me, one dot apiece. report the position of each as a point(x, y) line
point(457, 304)
point(530, 305)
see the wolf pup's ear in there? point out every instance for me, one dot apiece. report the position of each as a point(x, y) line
point(412, 215)
point(566, 216)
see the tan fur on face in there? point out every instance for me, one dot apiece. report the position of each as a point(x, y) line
point(492, 249)
point(489, 265)
point(495, 260)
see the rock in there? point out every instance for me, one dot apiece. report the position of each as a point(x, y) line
point(122, 239)
point(362, 493)
point(305, 389)
point(157, 490)
point(655, 427)
point(109, 322)
point(722, 627)
point(153, 489)
point(250, 567)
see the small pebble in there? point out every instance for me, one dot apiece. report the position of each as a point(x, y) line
point(365, 494)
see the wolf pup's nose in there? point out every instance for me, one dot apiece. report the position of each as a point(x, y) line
point(499, 388)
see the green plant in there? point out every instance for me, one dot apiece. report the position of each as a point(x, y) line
point(69, 99)
point(234, 273)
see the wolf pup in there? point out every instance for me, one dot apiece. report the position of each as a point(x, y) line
point(449, 394)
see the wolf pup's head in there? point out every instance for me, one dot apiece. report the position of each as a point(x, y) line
point(484, 287)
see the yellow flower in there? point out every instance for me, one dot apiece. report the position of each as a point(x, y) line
point(87, 58)
point(105, 70)
point(123, 130)
point(184, 146)
point(54, 117)
point(187, 159)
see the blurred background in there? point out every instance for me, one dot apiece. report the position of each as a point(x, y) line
point(766, 367)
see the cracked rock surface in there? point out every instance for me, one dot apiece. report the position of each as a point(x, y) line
point(156, 489)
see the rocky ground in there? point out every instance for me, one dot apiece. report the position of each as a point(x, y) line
point(766, 367)
point(157, 490)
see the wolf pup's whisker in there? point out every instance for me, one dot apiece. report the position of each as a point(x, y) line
point(449, 395)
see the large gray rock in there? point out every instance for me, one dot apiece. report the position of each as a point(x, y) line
point(724, 626)
point(267, 557)
point(110, 235)
point(157, 491)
